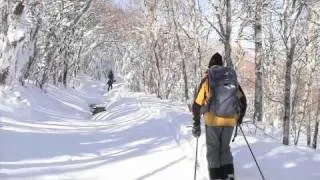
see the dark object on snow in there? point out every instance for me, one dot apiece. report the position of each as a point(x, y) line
point(18, 10)
point(110, 75)
point(111, 80)
point(95, 109)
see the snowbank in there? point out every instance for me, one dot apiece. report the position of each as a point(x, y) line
point(51, 135)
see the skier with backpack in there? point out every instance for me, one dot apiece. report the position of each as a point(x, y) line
point(111, 80)
point(222, 102)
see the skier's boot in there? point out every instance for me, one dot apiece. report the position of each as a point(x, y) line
point(227, 172)
point(215, 173)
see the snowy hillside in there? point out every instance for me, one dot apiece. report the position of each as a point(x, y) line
point(52, 136)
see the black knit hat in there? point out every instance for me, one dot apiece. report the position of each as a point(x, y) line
point(216, 59)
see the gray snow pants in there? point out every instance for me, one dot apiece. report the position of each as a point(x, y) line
point(218, 146)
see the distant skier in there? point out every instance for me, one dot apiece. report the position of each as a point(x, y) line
point(111, 80)
point(224, 105)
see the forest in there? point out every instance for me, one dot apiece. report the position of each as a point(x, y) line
point(162, 47)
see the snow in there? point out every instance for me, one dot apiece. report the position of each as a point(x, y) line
point(52, 135)
point(15, 35)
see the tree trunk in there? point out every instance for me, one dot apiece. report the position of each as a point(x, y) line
point(28, 65)
point(316, 125)
point(271, 74)
point(154, 44)
point(224, 30)
point(4, 18)
point(183, 63)
point(4, 25)
point(65, 72)
point(287, 94)
point(315, 135)
point(310, 68)
point(199, 59)
point(309, 130)
point(227, 46)
point(290, 15)
point(158, 69)
point(258, 111)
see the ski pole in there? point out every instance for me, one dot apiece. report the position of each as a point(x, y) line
point(235, 133)
point(252, 153)
point(196, 161)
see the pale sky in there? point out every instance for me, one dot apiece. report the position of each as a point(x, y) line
point(121, 3)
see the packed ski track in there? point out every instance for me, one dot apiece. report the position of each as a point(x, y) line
point(53, 136)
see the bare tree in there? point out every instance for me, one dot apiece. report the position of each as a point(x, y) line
point(291, 12)
point(310, 59)
point(316, 126)
point(12, 39)
point(182, 56)
point(258, 109)
point(223, 18)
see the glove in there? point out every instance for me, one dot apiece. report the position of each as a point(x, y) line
point(196, 131)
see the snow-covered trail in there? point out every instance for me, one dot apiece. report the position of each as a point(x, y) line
point(136, 138)
point(52, 136)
